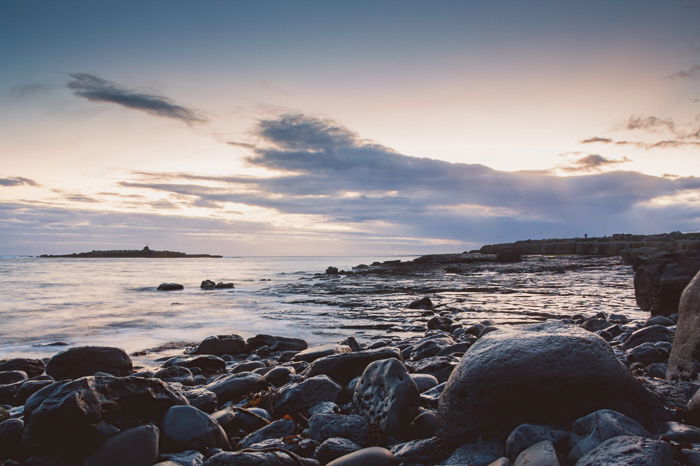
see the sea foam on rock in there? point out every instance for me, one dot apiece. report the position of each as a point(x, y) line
point(550, 373)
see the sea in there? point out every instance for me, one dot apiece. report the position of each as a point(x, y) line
point(50, 304)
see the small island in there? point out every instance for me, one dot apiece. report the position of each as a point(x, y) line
point(146, 252)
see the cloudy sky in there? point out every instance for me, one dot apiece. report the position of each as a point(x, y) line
point(364, 127)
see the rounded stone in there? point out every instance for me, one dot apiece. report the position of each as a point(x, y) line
point(279, 375)
point(540, 454)
point(372, 456)
point(87, 360)
point(333, 448)
point(137, 446)
point(221, 344)
point(186, 427)
point(235, 386)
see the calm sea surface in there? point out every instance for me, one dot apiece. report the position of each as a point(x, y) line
point(114, 302)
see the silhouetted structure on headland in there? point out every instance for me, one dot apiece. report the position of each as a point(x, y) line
point(146, 252)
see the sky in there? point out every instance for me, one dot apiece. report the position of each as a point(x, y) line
point(344, 128)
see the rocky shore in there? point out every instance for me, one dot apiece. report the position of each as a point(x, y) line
point(146, 253)
point(584, 390)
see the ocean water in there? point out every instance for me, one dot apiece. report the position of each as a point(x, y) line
point(47, 305)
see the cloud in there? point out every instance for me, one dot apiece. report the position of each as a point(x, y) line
point(593, 162)
point(17, 181)
point(597, 139)
point(331, 174)
point(97, 89)
point(651, 123)
point(689, 73)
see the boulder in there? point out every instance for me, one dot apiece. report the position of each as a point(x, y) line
point(352, 427)
point(274, 430)
point(680, 433)
point(207, 285)
point(32, 367)
point(207, 363)
point(235, 386)
point(279, 375)
point(299, 397)
point(541, 454)
point(424, 381)
point(590, 431)
point(345, 366)
point(423, 303)
point(183, 458)
point(137, 446)
point(387, 397)
point(11, 439)
point(440, 323)
point(186, 427)
point(630, 450)
point(660, 280)
point(417, 451)
point(7, 377)
point(333, 448)
point(277, 343)
point(549, 373)
point(86, 360)
point(221, 344)
point(177, 374)
point(170, 287)
point(684, 361)
point(372, 456)
point(66, 419)
point(315, 352)
point(526, 435)
point(652, 334)
point(649, 353)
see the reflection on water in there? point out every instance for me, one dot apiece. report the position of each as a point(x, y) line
point(114, 301)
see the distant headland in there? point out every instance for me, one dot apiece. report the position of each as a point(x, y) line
point(146, 252)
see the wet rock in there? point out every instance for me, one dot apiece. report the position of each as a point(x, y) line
point(86, 360)
point(345, 366)
point(177, 374)
point(423, 303)
point(559, 372)
point(315, 352)
point(590, 431)
point(11, 431)
point(65, 419)
point(278, 429)
point(503, 461)
point(352, 427)
point(201, 398)
point(137, 446)
point(372, 456)
point(431, 397)
point(186, 427)
point(207, 285)
point(526, 435)
point(183, 458)
point(387, 397)
point(324, 407)
point(424, 382)
point(170, 287)
point(653, 334)
point(333, 448)
point(352, 343)
point(277, 343)
point(541, 454)
point(428, 347)
point(439, 367)
point(417, 451)
point(332, 270)
point(627, 449)
point(8, 377)
point(659, 282)
point(475, 454)
point(456, 349)
point(28, 387)
point(648, 353)
point(235, 386)
point(248, 366)
point(208, 363)
point(685, 355)
point(221, 344)
point(279, 375)
point(299, 397)
point(242, 422)
point(659, 320)
point(680, 433)
point(440, 323)
point(594, 324)
point(32, 367)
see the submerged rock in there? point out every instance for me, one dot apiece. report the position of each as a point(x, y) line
point(170, 287)
point(559, 373)
point(87, 360)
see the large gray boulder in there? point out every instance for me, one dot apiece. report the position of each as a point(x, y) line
point(630, 450)
point(684, 361)
point(86, 360)
point(387, 397)
point(661, 278)
point(549, 373)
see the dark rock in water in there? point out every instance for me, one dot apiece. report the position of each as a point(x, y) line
point(684, 361)
point(680, 433)
point(526, 435)
point(627, 449)
point(352, 343)
point(277, 343)
point(333, 448)
point(439, 367)
point(279, 375)
point(186, 427)
point(345, 366)
point(648, 334)
point(261, 458)
point(590, 431)
point(299, 397)
point(423, 303)
point(648, 353)
point(86, 360)
point(315, 352)
point(207, 285)
point(541, 454)
point(32, 367)
point(11, 439)
point(137, 446)
point(332, 270)
point(7, 377)
point(170, 287)
point(352, 427)
point(417, 451)
point(65, 418)
point(559, 373)
point(372, 456)
point(278, 429)
point(660, 280)
point(207, 363)
point(178, 374)
point(235, 386)
point(387, 397)
point(222, 344)
point(441, 323)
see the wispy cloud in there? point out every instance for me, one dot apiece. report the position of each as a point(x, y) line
point(97, 89)
point(689, 73)
point(593, 162)
point(17, 181)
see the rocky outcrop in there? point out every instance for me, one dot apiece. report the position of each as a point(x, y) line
point(684, 361)
point(549, 373)
point(660, 279)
